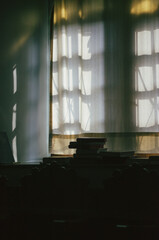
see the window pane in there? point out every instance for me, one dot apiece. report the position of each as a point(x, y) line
point(144, 43)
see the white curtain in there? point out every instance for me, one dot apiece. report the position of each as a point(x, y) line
point(105, 74)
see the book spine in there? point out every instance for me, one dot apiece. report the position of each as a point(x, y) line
point(87, 152)
point(91, 140)
point(72, 145)
point(86, 145)
point(84, 156)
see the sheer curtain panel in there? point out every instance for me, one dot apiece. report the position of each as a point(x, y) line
point(105, 73)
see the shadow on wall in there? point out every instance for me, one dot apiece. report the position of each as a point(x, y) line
point(23, 72)
point(6, 155)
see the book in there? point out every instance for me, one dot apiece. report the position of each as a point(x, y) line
point(91, 139)
point(117, 154)
point(84, 156)
point(72, 145)
point(88, 143)
point(88, 151)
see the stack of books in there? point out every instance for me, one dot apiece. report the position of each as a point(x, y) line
point(88, 148)
point(116, 156)
point(113, 154)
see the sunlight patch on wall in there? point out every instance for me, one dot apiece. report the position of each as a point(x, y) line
point(93, 7)
point(80, 13)
point(19, 43)
point(54, 18)
point(14, 79)
point(29, 20)
point(14, 147)
point(14, 116)
point(144, 6)
point(63, 11)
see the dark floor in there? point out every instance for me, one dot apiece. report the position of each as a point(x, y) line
point(54, 202)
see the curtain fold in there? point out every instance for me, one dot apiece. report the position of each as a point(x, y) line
point(105, 74)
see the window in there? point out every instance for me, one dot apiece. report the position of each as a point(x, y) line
point(146, 77)
point(105, 72)
point(78, 71)
point(146, 63)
